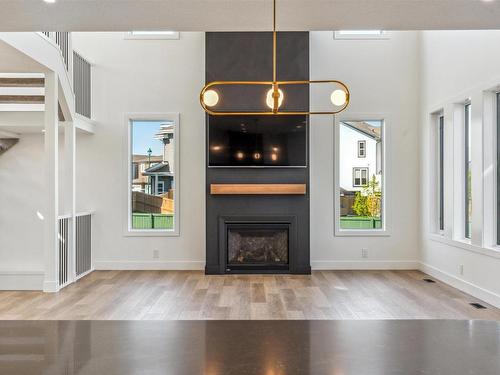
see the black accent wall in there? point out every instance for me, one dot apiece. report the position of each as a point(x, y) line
point(248, 56)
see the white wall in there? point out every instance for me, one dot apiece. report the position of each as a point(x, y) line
point(383, 78)
point(21, 230)
point(166, 76)
point(156, 76)
point(458, 65)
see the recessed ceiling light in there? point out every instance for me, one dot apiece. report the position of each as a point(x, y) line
point(50, 1)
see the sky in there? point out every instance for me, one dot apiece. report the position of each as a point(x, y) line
point(142, 137)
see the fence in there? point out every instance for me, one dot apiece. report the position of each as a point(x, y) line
point(357, 222)
point(152, 221)
point(152, 204)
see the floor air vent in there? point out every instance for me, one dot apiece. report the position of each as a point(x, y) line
point(429, 281)
point(477, 305)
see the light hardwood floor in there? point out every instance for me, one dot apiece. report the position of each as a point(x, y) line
point(192, 295)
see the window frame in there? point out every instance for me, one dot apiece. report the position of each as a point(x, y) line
point(360, 169)
point(496, 190)
point(152, 35)
point(362, 155)
point(467, 170)
point(361, 35)
point(440, 166)
point(127, 181)
point(386, 188)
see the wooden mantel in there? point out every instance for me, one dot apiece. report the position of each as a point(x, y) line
point(258, 189)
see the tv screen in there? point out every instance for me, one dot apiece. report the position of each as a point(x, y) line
point(257, 141)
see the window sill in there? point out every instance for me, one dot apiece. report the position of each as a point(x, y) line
point(493, 252)
point(151, 233)
point(362, 233)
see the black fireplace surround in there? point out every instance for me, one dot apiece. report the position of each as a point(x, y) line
point(257, 233)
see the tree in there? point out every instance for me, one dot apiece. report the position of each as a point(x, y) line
point(368, 201)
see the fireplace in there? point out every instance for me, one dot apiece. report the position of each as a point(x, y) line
point(257, 210)
point(257, 245)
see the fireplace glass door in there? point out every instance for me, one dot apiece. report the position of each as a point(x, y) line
point(257, 245)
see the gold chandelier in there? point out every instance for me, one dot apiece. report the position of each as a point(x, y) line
point(209, 95)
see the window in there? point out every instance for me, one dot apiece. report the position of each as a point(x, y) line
point(467, 171)
point(361, 149)
point(161, 187)
point(152, 197)
point(359, 182)
point(135, 167)
point(360, 177)
point(152, 35)
point(441, 171)
point(361, 34)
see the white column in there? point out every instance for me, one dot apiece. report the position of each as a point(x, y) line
point(70, 193)
point(458, 181)
point(449, 204)
point(51, 193)
point(477, 106)
point(489, 168)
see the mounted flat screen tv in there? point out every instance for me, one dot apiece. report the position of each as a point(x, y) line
point(257, 141)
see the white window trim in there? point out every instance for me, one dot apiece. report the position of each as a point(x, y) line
point(162, 184)
point(359, 35)
point(361, 169)
point(172, 35)
point(359, 149)
point(386, 229)
point(127, 178)
point(434, 119)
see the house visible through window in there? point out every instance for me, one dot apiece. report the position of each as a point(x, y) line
point(360, 175)
point(153, 180)
point(361, 149)
point(467, 171)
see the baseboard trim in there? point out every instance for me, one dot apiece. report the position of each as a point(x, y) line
point(21, 280)
point(51, 286)
point(112, 265)
point(463, 285)
point(325, 265)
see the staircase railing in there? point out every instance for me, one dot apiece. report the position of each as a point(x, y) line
point(83, 244)
point(64, 245)
point(74, 257)
point(82, 85)
point(63, 40)
point(80, 70)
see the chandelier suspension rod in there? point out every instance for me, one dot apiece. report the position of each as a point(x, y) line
point(274, 41)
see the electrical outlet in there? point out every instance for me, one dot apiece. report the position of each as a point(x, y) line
point(364, 253)
point(156, 254)
point(461, 269)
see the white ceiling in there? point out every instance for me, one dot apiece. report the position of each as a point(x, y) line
point(247, 15)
